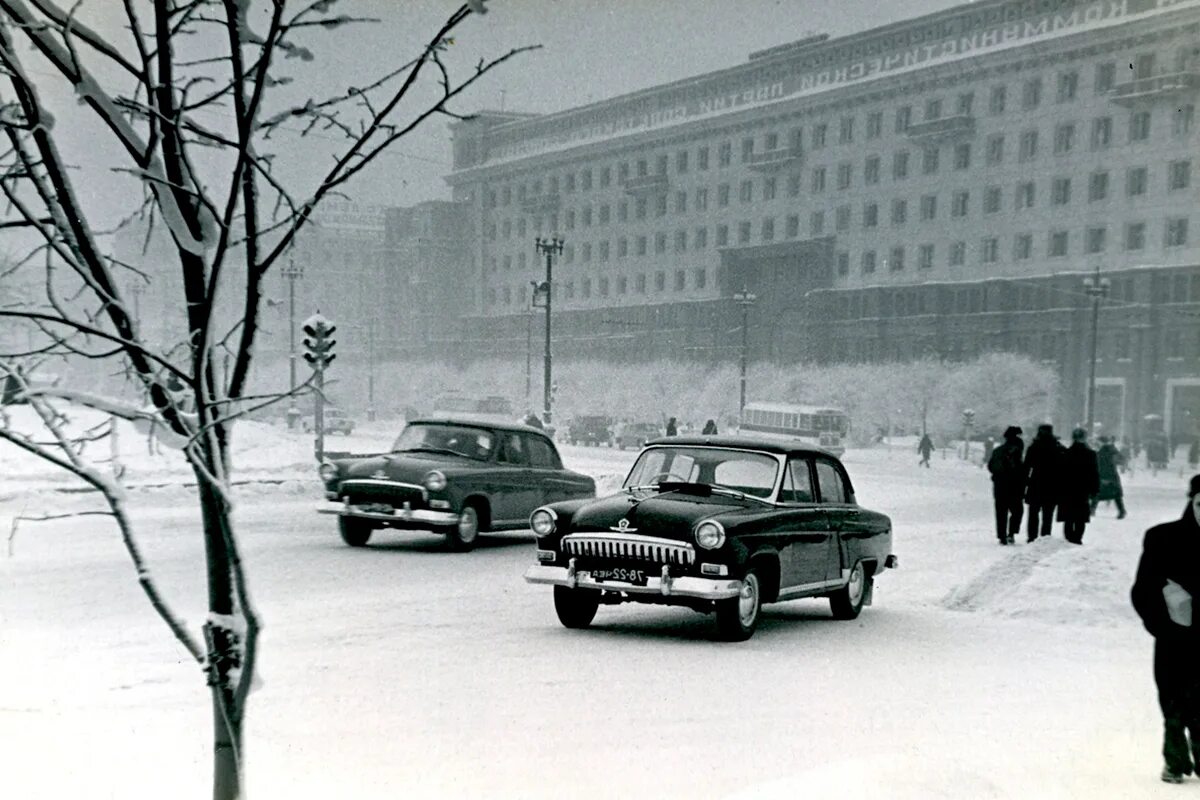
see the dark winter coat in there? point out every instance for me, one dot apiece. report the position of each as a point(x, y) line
point(1108, 458)
point(1043, 469)
point(1008, 471)
point(672, 428)
point(1170, 551)
point(925, 446)
point(710, 428)
point(1080, 481)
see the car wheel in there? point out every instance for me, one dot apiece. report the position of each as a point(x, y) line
point(737, 617)
point(847, 602)
point(355, 532)
point(576, 608)
point(462, 536)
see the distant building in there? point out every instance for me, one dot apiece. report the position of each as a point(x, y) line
point(937, 186)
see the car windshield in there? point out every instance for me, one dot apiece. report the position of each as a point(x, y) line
point(740, 470)
point(456, 439)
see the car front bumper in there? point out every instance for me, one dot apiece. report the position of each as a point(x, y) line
point(666, 584)
point(400, 518)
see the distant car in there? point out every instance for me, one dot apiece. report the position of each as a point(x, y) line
point(336, 421)
point(454, 477)
point(720, 524)
point(590, 430)
point(636, 434)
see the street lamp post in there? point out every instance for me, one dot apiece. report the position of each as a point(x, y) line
point(529, 344)
point(1097, 289)
point(371, 370)
point(744, 299)
point(550, 247)
point(291, 271)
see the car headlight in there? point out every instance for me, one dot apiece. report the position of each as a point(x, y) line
point(543, 521)
point(710, 534)
point(328, 471)
point(434, 481)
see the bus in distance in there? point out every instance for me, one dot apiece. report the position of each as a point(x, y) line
point(824, 426)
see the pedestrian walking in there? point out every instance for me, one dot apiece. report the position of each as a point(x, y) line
point(1080, 482)
point(1168, 577)
point(672, 427)
point(1043, 466)
point(1008, 484)
point(710, 428)
point(1108, 464)
point(925, 448)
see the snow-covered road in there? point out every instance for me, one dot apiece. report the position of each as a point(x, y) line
point(404, 670)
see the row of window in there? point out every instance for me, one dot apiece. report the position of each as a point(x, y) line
point(819, 135)
point(604, 286)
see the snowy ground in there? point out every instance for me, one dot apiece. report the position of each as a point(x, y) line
point(403, 670)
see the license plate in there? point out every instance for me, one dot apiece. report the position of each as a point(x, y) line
point(377, 508)
point(637, 577)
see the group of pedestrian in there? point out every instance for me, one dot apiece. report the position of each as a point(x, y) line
point(710, 427)
point(1046, 477)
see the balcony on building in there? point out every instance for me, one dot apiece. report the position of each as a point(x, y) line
point(541, 204)
point(1156, 87)
point(938, 130)
point(641, 185)
point(771, 160)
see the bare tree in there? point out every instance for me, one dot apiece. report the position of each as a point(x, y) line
point(192, 93)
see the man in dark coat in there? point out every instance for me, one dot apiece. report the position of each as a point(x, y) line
point(1080, 482)
point(1168, 577)
point(710, 428)
point(1043, 465)
point(672, 427)
point(1008, 484)
point(1108, 463)
point(925, 448)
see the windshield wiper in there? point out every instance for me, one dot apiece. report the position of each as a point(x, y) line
point(424, 449)
point(739, 494)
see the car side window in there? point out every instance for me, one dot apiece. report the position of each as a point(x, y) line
point(797, 483)
point(830, 482)
point(512, 450)
point(541, 453)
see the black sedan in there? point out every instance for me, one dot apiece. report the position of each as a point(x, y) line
point(457, 477)
point(720, 524)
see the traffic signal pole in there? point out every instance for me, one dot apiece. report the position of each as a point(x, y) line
point(318, 351)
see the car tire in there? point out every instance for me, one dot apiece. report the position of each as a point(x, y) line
point(737, 617)
point(576, 608)
point(462, 537)
point(355, 532)
point(847, 602)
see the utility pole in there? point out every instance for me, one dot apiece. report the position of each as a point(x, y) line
point(371, 370)
point(1097, 289)
point(550, 247)
point(292, 272)
point(744, 299)
point(529, 346)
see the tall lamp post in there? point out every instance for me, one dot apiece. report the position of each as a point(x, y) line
point(549, 247)
point(745, 300)
point(533, 303)
point(291, 271)
point(1097, 289)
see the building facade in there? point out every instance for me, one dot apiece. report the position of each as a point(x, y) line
point(940, 186)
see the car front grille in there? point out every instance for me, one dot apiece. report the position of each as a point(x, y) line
point(374, 490)
point(629, 548)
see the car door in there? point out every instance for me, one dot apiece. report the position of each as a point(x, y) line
point(808, 538)
point(840, 513)
point(546, 470)
point(515, 493)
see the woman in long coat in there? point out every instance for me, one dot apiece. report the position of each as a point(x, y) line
point(1080, 481)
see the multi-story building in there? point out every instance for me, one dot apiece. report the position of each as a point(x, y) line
point(940, 186)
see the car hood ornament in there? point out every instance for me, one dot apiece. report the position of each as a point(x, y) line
point(623, 527)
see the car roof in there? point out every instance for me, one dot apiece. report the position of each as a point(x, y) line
point(744, 442)
point(474, 421)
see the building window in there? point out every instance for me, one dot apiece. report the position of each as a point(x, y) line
point(605, 213)
point(1023, 247)
point(660, 243)
point(660, 205)
point(702, 198)
point(871, 171)
point(903, 118)
point(929, 161)
point(586, 288)
point(818, 179)
point(680, 241)
point(722, 195)
point(639, 283)
point(1031, 93)
point(681, 202)
point(681, 161)
point(702, 158)
point(724, 154)
point(960, 203)
point(868, 261)
point(623, 211)
point(874, 124)
point(1060, 191)
point(819, 132)
point(722, 235)
point(793, 226)
point(896, 260)
point(747, 149)
point(1097, 186)
point(586, 251)
point(1176, 232)
point(928, 207)
point(962, 155)
point(925, 257)
point(958, 254)
point(772, 142)
point(991, 199)
point(843, 176)
point(768, 188)
point(701, 238)
point(661, 164)
point(1135, 236)
point(794, 185)
point(1101, 133)
point(1064, 138)
point(1095, 240)
point(843, 263)
point(870, 215)
point(1027, 150)
point(1139, 126)
point(989, 250)
point(641, 246)
point(622, 247)
point(1135, 181)
point(1179, 175)
point(816, 223)
point(1106, 74)
point(1058, 244)
point(622, 284)
point(933, 110)
point(700, 277)
point(997, 99)
point(602, 286)
point(900, 165)
point(743, 232)
point(680, 280)
point(768, 229)
point(965, 102)
point(842, 218)
point(605, 177)
point(1068, 85)
point(604, 250)
point(1181, 121)
point(899, 212)
point(639, 208)
point(846, 130)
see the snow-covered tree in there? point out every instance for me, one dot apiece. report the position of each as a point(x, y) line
point(185, 101)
